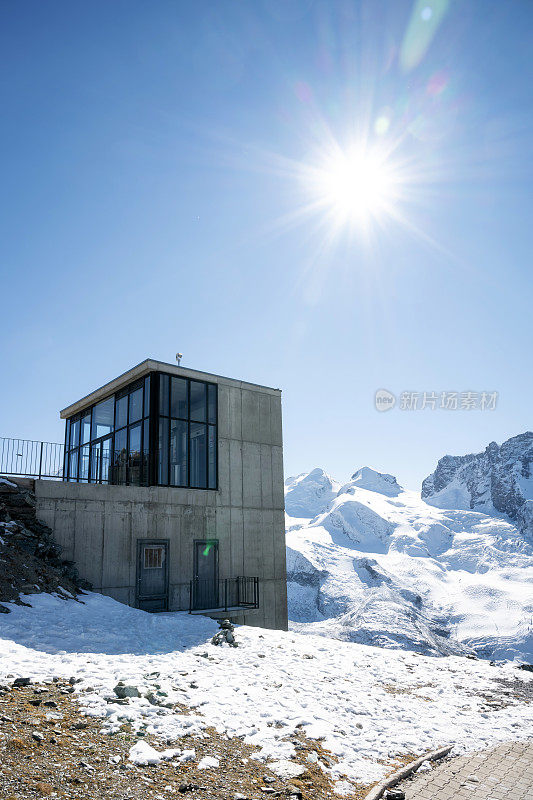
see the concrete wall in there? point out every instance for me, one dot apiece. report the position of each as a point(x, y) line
point(99, 526)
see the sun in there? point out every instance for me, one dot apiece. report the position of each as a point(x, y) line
point(356, 185)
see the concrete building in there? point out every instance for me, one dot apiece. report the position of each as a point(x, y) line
point(172, 497)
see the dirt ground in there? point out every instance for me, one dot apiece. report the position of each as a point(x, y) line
point(48, 748)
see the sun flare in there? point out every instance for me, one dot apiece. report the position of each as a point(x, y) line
point(356, 185)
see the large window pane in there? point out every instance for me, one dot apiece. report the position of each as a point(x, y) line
point(106, 460)
point(163, 394)
point(86, 429)
point(96, 462)
point(73, 466)
point(178, 398)
point(198, 401)
point(162, 453)
point(211, 403)
point(134, 475)
point(146, 453)
point(84, 464)
point(74, 434)
point(121, 413)
point(198, 455)
point(212, 456)
point(147, 396)
point(120, 457)
point(103, 418)
point(178, 452)
point(136, 405)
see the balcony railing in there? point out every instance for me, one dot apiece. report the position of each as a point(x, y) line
point(223, 594)
point(30, 459)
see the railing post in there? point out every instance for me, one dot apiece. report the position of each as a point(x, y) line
point(41, 460)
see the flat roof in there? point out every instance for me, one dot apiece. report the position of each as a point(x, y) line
point(151, 365)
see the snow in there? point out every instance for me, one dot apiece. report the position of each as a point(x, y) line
point(208, 762)
point(380, 566)
point(367, 705)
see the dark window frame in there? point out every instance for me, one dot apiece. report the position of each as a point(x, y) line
point(149, 422)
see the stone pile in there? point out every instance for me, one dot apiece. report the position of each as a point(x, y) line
point(30, 559)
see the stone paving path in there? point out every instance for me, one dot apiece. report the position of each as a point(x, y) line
point(500, 774)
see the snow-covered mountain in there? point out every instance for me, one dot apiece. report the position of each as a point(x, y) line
point(498, 481)
point(378, 565)
point(308, 493)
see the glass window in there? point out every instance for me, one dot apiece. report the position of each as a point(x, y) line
point(162, 448)
point(121, 412)
point(178, 398)
point(136, 405)
point(84, 464)
point(73, 466)
point(147, 396)
point(163, 394)
point(74, 434)
point(96, 462)
point(198, 398)
point(120, 457)
point(178, 452)
point(86, 429)
point(146, 453)
point(212, 456)
point(198, 455)
point(134, 476)
point(106, 459)
point(211, 403)
point(103, 418)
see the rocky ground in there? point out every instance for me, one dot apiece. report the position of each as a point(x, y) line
point(30, 560)
point(48, 748)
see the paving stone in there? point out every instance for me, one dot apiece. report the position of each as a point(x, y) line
point(503, 773)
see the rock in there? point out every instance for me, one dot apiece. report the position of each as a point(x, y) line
point(267, 790)
point(394, 794)
point(286, 769)
point(50, 703)
point(122, 691)
point(294, 791)
point(36, 702)
point(80, 726)
point(22, 682)
point(187, 787)
point(268, 779)
point(239, 796)
point(37, 736)
point(44, 788)
point(494, 479)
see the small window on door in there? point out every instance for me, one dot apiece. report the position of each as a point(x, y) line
point(154, 557)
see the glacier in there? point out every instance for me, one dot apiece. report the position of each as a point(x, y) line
point(376, 564)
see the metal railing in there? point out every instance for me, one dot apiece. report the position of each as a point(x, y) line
point(24, 457)
point(223, 594)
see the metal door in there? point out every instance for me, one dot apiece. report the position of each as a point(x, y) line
point(152, 574)
point(206, 574)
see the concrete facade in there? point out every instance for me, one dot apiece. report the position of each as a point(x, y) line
point(99, 526)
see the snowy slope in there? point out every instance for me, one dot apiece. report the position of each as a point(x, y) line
point(367, 705)
point(380, 566)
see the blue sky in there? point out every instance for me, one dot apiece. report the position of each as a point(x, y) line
point(155, 198)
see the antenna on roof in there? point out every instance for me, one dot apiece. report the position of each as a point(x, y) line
point(179, 356)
